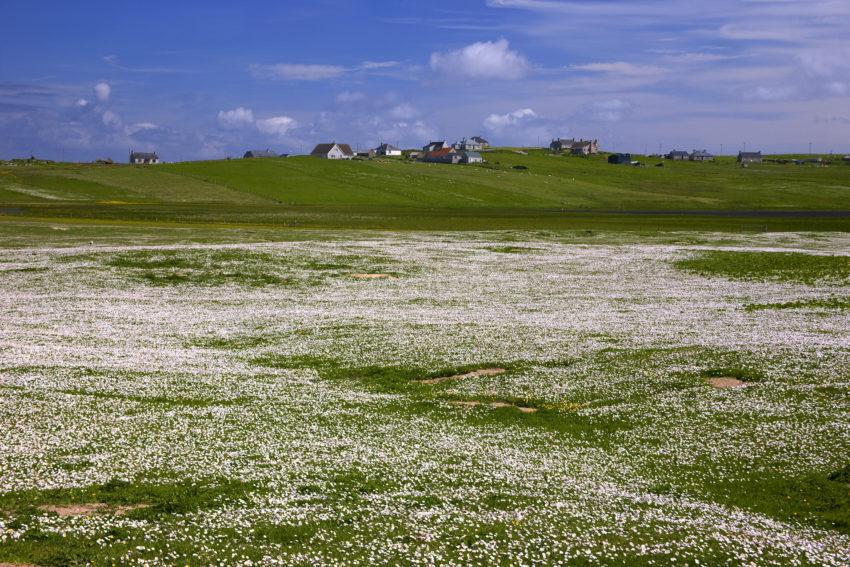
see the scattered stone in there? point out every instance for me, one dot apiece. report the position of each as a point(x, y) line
point(473, 374)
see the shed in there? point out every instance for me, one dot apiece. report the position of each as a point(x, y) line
point(749, 157)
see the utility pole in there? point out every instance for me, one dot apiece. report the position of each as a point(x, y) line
point(721, 149)
point(810, 148)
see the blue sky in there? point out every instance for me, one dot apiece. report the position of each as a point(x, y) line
point(196, 80)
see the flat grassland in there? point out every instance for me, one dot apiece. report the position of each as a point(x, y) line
point(184, 381)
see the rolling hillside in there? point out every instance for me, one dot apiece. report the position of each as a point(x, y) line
point(512, 189)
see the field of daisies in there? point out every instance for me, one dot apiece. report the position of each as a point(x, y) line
point(427, 399)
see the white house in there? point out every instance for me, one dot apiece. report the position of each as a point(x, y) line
point(332, 151)
point(388, 150)
point(143, 158)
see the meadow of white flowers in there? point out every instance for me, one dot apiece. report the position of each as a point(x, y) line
point(105, 376)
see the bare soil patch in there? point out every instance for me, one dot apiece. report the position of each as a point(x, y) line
point(2, 564)
point(89, 509)
point(726, 382)
point(464, 376)
point(495, 405)
point(372, 276)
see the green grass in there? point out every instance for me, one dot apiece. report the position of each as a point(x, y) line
point(553, 192)
point(162, 501)
point(829, 303)
point(251, 269)
point(792, 267)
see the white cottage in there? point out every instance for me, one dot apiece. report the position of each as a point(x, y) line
point(332, 151)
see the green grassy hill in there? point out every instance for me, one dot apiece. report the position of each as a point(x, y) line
point(513, 190)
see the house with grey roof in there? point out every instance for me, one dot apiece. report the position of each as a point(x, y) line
point(481, 141)
point(575, 147)
point(678, 155)
point(749, 157)
point(701, 155)
point(435, 146)
point(467, 157)
point(143, 158)
point(388, 150)
point(468, 144)
point(333, 151)
point(267, 153)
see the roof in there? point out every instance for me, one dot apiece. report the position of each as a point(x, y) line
point(389, 147)
point(701, 153)
point(479, 140)
point(441, 153)
point(472, 154)
point(260, 153)
point(144, 155)
point(582, 144)
point(324, 149)
point(749, 154)
point(678, 153)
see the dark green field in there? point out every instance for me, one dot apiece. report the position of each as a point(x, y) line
point(552, 192)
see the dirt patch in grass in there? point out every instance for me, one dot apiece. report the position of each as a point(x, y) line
point(494, 405)
point(372, 276)
point(464, 376)
point(726, 382)
point(2, 564)
point(89, 509)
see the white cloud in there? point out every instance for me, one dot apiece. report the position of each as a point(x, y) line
point(621, 68)
point(482, 60)
point(237, 118)
point(498, 122)
point(349, 96)
point(771, 94)
point(366, 65)
point(297, 72)
point(402, 111)
point(102, 90)
point(609, 110)
point(111, 119)
point(276, 125)
point(82, 103)
point(139, 127)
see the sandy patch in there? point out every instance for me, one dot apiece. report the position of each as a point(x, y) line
point(726, 382)
point(495, 405)
point(89, 509)
point(2, 564)
point(464, 376)
point(372, 276)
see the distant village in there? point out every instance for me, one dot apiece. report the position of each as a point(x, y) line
point(471, 151)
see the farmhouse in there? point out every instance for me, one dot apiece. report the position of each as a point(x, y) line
point(434, 146)
point(749, 157)
point(387, 150)
point(575, 147)
point(332, 151)
point(471, 157)
point(620, 159)
point(444, 155)
point(470, 145)
point(261, 154)
point(481, 141)
point(701, 155)
point(144, 157)
point(677, 155)
point(584, 148)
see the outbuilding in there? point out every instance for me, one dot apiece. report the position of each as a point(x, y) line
point(749, 157)
point(620, 159)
